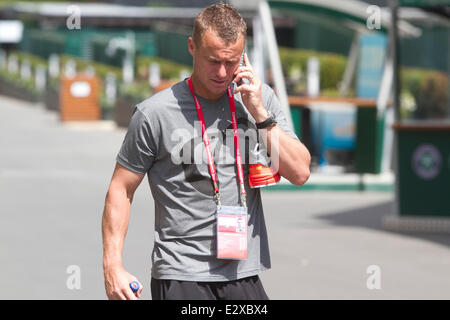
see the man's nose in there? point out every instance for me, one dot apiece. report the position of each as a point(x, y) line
point(222, 71)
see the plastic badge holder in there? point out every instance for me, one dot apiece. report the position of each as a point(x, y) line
point(232, 233)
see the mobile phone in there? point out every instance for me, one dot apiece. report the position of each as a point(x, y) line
point(242, 63)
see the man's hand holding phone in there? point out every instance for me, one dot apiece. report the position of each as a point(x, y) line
point(251, 91)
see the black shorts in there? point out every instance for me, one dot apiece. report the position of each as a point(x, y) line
point(249, 288)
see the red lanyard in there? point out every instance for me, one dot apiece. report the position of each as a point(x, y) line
point(212, 168)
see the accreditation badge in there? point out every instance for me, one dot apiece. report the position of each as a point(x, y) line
point(232, 232)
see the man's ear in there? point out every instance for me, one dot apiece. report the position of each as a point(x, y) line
point(191, 46)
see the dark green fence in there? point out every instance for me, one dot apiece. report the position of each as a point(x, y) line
point(43, 43)
point(87, 43)
point(173, 46)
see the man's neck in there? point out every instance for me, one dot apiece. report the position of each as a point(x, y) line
point(204, 92)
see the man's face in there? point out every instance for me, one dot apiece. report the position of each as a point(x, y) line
point(214, 64)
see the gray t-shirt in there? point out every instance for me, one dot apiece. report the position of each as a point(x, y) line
point(164, 141)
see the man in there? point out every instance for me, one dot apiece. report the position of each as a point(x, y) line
point(163, 141)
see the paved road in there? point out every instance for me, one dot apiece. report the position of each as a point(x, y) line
point(53, 180)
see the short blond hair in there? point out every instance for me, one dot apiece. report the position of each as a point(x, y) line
point(221, 18)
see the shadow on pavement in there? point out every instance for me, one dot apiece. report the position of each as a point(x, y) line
point(371, 218)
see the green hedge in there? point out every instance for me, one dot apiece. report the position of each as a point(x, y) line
point(332, 68)
point(101, 69)
point(136, 92)
point(169, 70)
point(18, 82)
point(424, 94)
point(32, 59)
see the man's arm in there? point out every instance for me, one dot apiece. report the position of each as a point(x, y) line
point(115, 220)
point(290, 155)
point(292, 158)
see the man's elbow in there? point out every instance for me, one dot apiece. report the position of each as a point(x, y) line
point(301, 177)
point(302, 173)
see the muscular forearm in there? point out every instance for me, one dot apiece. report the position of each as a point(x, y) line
point(114, 226)
point(116, 216)
point(288, 155)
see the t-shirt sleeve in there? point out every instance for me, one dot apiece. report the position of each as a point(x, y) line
point(139, 147)
point(273, 105)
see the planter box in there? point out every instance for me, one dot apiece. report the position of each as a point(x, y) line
point(12, 90)
point(124, 110)
point(107, 114)
point(52, 99)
